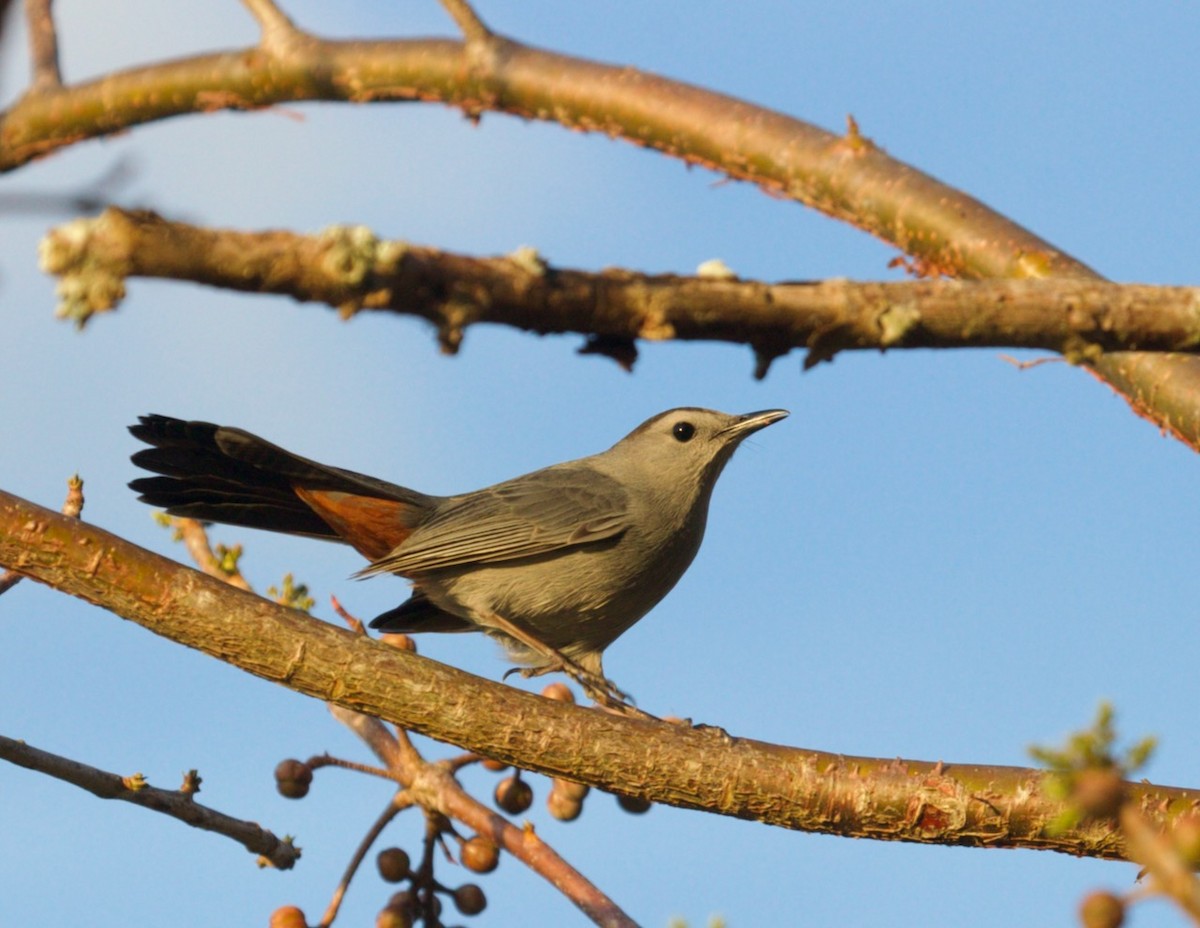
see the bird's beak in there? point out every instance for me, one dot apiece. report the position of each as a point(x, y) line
point(753, 421)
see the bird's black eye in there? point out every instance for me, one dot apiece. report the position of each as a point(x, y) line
point(683, 431)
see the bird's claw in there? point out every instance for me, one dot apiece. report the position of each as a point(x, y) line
point(599, 689)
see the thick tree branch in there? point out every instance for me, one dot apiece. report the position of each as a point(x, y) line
point(175, 803)
point(700, 768)
point(847, 177)
point(352, 270)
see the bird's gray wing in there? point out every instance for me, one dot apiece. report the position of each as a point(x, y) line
point(560, 507)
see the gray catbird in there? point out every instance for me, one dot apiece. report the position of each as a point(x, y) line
point(555, 564)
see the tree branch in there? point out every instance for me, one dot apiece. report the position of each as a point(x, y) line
point(43, 46)
point(847, 177)
point(435, 787)
point(72, 506)
point(431, 784)
point(175, 803)
point(472, 27)
point(194, 536)
point(350, 269)
point(699, 768)
point(397, 804)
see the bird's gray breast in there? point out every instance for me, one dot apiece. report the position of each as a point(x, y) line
point(582, 597)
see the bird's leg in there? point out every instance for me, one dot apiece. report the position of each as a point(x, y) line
point(602, 690)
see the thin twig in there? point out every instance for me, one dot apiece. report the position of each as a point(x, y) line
point(328, 760)
point(266, 13)
point(195, 538)
point(399, 802)
point(279, 33)
point(468, 21)
point(523, 843)
point(271, 850)
point(1027, 365)
point(375, 735)
point(435, 788)
point(354, 623)
point(43, 45)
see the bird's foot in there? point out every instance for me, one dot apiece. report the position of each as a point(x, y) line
point(601, 690)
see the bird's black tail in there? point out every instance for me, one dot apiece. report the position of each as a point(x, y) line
point(219, 474)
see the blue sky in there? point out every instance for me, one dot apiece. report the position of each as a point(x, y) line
point(937, 556)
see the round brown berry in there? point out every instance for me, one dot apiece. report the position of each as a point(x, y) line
point(469, 899)
point(479, 855)
point(1101, 910)
point(513, 795)
point(292, 778)
point(559, 692)
point(393, 864)
point(288, 916)
point(490, 763)
point(634, 805)
point(563, 807)
point(393, 916)
point(569, 789)
point(396, 640)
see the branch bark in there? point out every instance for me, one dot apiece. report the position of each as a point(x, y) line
point(350, 269)
point(847, 177)
point(699, 768)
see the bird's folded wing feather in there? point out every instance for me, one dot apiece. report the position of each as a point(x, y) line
point(537, 514)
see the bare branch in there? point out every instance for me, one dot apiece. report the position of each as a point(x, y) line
point(849, 178)
point(434, 786)
point(280, 37)
point(383, 744)
point(437, 782)
point(195, 538)
point(980, 806)
point(350, 269)
point(398, 803)
point(271, 850)
point(473, 28)
point(43, 46)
